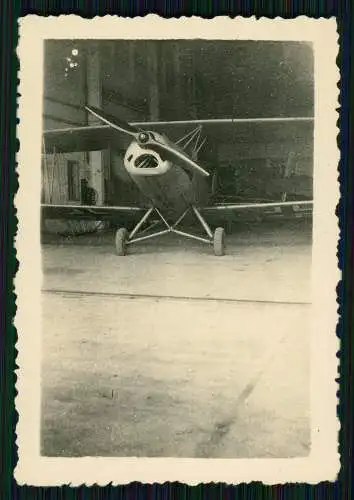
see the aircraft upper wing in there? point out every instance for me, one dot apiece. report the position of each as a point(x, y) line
point(237, 130)
point(94, 212)
point(88, 138)
point(100, 137)
point(227, 121)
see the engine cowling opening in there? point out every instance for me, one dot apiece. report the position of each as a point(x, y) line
point(146, 161)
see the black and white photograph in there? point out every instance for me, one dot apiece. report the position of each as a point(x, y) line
point(177, 248)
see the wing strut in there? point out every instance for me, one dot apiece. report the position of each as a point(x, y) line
point(194, 137)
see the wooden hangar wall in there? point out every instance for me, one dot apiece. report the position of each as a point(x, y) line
point(172, 80)
point(63, 101)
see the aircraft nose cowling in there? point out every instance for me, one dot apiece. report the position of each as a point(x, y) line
point(143, 161)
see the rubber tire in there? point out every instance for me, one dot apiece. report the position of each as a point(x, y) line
point(219, 241)
point(120, 241)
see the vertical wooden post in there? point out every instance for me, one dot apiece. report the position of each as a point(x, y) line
point(153, 64)
point(178, 89)
point(131, 60)
point(94, 98)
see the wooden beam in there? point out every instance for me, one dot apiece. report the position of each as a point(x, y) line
point(153, 79)
point(63, 120)
point(63, 103)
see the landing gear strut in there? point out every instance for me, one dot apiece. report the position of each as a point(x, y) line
point(123, 238)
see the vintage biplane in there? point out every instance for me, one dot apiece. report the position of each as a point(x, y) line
point(172, 181)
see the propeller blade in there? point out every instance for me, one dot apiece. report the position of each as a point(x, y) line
point(171, 153)
point(113, 121)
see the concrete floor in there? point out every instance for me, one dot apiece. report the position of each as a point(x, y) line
point(170, 351)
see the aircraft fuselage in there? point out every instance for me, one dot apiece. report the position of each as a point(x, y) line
point(168, 186)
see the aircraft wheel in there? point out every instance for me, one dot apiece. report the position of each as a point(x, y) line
point(219, 241)
point(121, 239)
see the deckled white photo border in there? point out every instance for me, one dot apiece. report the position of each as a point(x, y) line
point(323, 462)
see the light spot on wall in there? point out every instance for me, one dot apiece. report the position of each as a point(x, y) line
point(72, 61)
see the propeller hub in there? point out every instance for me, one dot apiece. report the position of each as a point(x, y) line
point(143, 137)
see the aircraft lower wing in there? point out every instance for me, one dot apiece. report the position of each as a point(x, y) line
point(228, 208)
point(93, 212)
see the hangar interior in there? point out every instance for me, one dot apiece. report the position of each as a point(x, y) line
point(139, 80)
point(171, 352)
